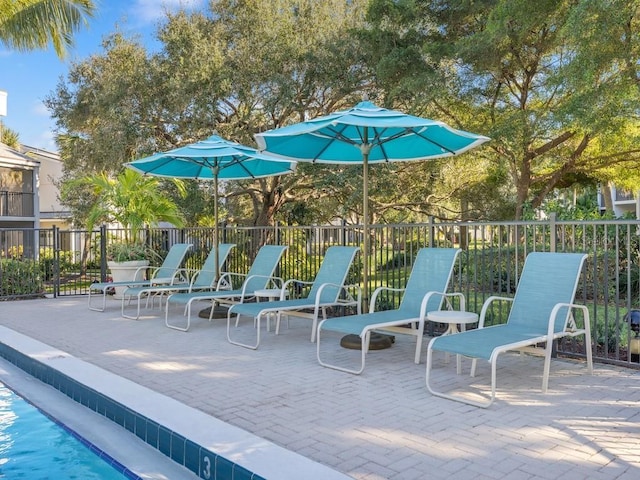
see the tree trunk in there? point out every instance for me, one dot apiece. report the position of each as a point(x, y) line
point(605, 191)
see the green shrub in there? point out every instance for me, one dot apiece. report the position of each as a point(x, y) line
point(20, 278)
point(47, 262)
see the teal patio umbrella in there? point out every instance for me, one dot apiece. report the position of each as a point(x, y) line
point(367, 134)
point(213, 159)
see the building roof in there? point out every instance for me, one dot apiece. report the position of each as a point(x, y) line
point(12, 158)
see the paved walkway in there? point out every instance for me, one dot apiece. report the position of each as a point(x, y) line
point(383, 424)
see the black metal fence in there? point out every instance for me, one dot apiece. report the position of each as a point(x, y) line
point(55, 262)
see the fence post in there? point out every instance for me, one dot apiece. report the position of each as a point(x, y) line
point(431, 231)
point(344, 232)
point(103, 252)
point(55, 232)
point(552, 232)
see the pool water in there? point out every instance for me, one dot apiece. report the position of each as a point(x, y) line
point(34, 447)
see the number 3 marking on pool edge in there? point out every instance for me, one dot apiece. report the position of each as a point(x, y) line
point(207, 468)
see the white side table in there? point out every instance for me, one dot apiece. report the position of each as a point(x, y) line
point(453, 318)
point(271, 294)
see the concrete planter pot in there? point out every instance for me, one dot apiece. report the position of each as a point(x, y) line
point(126, 272)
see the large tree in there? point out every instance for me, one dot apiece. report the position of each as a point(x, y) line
point(607, 39)
point(510, 69)
point(34, 24)
point(243, 68)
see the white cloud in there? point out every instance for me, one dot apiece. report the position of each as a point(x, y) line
point(47, 141)
point(150, 11)
point(40, 110)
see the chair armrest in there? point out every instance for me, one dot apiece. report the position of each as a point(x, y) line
point(347, 301)
point(289, 282)
point(378, 291)
point(225, 282)
point(428, 295)
point(487, 303)
point(275, 281)
point(181, 276)
point(148, 271)
point(570, 328)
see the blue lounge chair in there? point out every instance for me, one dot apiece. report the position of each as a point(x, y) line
point(203, 279)
point(327, 290)
point(425, 291)
point(167, 273)
point(541, 311)
point(259, 276)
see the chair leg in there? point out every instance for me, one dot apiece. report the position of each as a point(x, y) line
point(494, 379)
point(456, 398)
point(314, 325)
point(419, 335)
point(278, 319)
point(364, 347)
point(177, 327)
point(104, 301)
point(547, 365)
point(240, 344)
point(131, 317)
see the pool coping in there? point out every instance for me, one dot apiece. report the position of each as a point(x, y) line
point(207, 446)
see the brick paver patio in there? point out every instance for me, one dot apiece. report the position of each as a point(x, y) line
point(383, 424)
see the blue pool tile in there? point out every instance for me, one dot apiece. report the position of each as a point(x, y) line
point(152, 433)
point(241, 473)
point(177, 448)
point(118, 414)
point(141, 427)
point(101, 405)
point(208, 464)
point(129, 418)
point(164, 441)
point(109, 408)
point(224, 469)
point(92, 401)
point(192, 456)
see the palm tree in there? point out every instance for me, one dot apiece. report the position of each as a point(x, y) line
point(9, 137)
point(33, 24)
point(132, 200)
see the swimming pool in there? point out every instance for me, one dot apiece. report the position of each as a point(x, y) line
point(34, 446)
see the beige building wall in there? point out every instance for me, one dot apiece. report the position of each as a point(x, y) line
point(51, 211)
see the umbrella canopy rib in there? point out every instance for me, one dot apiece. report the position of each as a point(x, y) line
point(379, 134)
point(213, 159)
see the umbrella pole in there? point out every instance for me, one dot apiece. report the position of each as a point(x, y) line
point(216, 242)
point(365, 148)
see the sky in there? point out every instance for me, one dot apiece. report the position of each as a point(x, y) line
point(29, 77)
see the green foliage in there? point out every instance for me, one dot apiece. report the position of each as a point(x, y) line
point(610, 335)
point(132, 200)
point(493, 270)
point(20, 278)
point(34, 24)
point(547, 81)
point(66, 262)
point(243, 68)
point(584, 207)
point(126, 252)
point(9, 137)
